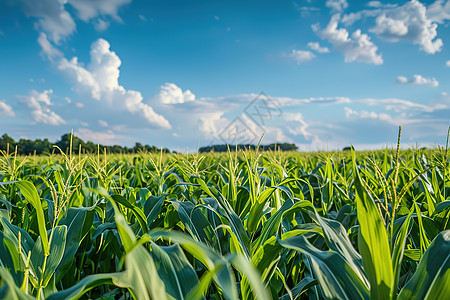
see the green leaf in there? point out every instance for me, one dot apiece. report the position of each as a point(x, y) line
point(79, 222)
point(432, 277)
point(234, 220)
point(174, 269)
point(9, 256)
point(144, 280)
point(255, 213)
point(248, 272)
point(373, 243)
point(57, 245)
point(399, 249)
point(300, 288)
point(137, 211)
point(336, 277)
point(30, 193)
point(86, 284)
point(224, 278)
point(152, 208)
point(143, 275)
point(9, 290)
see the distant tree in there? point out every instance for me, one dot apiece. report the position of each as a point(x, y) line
point(272, 147)
point(27, 147)
point(5, 140)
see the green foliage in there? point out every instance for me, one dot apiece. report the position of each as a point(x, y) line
point(241, 225)
point(67, 141)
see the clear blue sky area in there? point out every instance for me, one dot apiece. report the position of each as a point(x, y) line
point(320, 74)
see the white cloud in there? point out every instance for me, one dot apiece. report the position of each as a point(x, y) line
point(401, 119)
point(374, 4)
point(378, 4)
point(142, 17)
point(299, 130)
point(399, 105)
point(438, 11)
point(39, 104)
point(337, 5)
point(357, 47)
point(48, 50)
point(411, 22)
point(101, 25)
point(52, 17)
point(6, 110)
point(100, 80)
point(351, 18)
point(103, 123)
point(88, 9)
point(170, 93)
point(301, 56)
point(447, 63)
point(316, 47)
point(408, 22)
point(418, 80)
point(79, 105)
point(211, 124)
point(361, 114)
point(101, 137)
point(402, 79)
point(56, 21)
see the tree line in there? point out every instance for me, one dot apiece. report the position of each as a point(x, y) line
point(39, 146)
point(44, 146)
point(271, 147)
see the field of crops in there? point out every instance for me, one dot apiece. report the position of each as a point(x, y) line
point(246, 225)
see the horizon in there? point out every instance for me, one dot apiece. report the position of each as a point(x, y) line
point(320, 74)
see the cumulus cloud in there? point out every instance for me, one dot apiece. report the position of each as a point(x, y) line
point(378, 4)
point(211, 124)
point(374, 4)
point(411, 22)
point(316, 47)
point(447, 63)
point(40, 103)
point(337, 5)
point(55, 20)
point(418, 80)
point(355, 47)
point(101, 137)
point(101, 25)
point(301, 129)
point(100, 80)
point(364, 114)
point(170, 93)
point(88, 9)
point(408, 22)
point(439, 11)
point(52, 18)
point(302, 56)
point(48, 50)
point(6, 110)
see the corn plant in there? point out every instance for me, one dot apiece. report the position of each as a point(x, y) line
point(238, 225)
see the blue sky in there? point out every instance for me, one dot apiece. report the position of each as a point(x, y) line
point(318, 73)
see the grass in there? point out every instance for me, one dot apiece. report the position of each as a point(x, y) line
point(237, 225)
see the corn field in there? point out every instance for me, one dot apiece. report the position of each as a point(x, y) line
point(239, 225)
